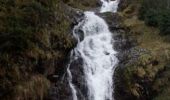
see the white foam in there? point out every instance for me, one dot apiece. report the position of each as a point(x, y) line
point(109, 6)
point(99, 57)
point(96, 50)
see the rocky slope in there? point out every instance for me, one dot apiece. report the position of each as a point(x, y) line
point(35, 39)
point(144, 66)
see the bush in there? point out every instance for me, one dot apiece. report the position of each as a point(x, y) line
point(165, 23)
point(162, 84)
point(156, 13)
point(152, 17)
point(21, 20)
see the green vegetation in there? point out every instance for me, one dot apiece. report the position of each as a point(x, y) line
point(162, 84)
point(35, 39)
point(21, 21)
point(146, 78)
point(156, 13)
point(83, 4)
point(34, 34)
point(136, 76)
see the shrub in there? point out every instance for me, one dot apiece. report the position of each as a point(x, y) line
point(152, 17)
point(21, 21)
point(165, 23)
point(156, 13)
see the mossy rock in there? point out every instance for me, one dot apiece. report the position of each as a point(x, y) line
point(135, 76)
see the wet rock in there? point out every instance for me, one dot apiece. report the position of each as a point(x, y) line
point(122, 39)
point(53, 78)
point(79, 81)
point(130, 76)
point(60, 91)
point(113, 20)
point(79, 33)
point(75, 15)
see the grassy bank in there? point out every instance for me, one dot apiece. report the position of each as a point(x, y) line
point(148, 78)
point(35, 39)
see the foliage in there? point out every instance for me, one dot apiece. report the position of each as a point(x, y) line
point(82, 4)
point(162, 85)
point(21, 20)
point(151, 80)
point(165, 22)
point(156, 13)
point(33, 34)
point(136, 76)
point(35, 39)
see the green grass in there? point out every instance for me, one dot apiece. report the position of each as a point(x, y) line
point(34, 35)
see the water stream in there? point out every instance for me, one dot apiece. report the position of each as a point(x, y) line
point(96, 50)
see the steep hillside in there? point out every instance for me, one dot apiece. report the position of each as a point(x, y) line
point(35, 39)
point(146, 66)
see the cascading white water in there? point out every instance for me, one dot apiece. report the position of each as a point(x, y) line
point(98, 56)
point(109, 6)
point(96, 50)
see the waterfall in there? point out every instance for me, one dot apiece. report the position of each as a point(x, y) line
point(96, 50)
point(109, 6)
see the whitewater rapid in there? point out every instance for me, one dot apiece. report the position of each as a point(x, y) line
point(96, 50)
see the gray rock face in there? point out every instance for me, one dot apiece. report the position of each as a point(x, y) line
point(60, 89)
point(79, 78)
point(123, 41)
point(112, 19)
